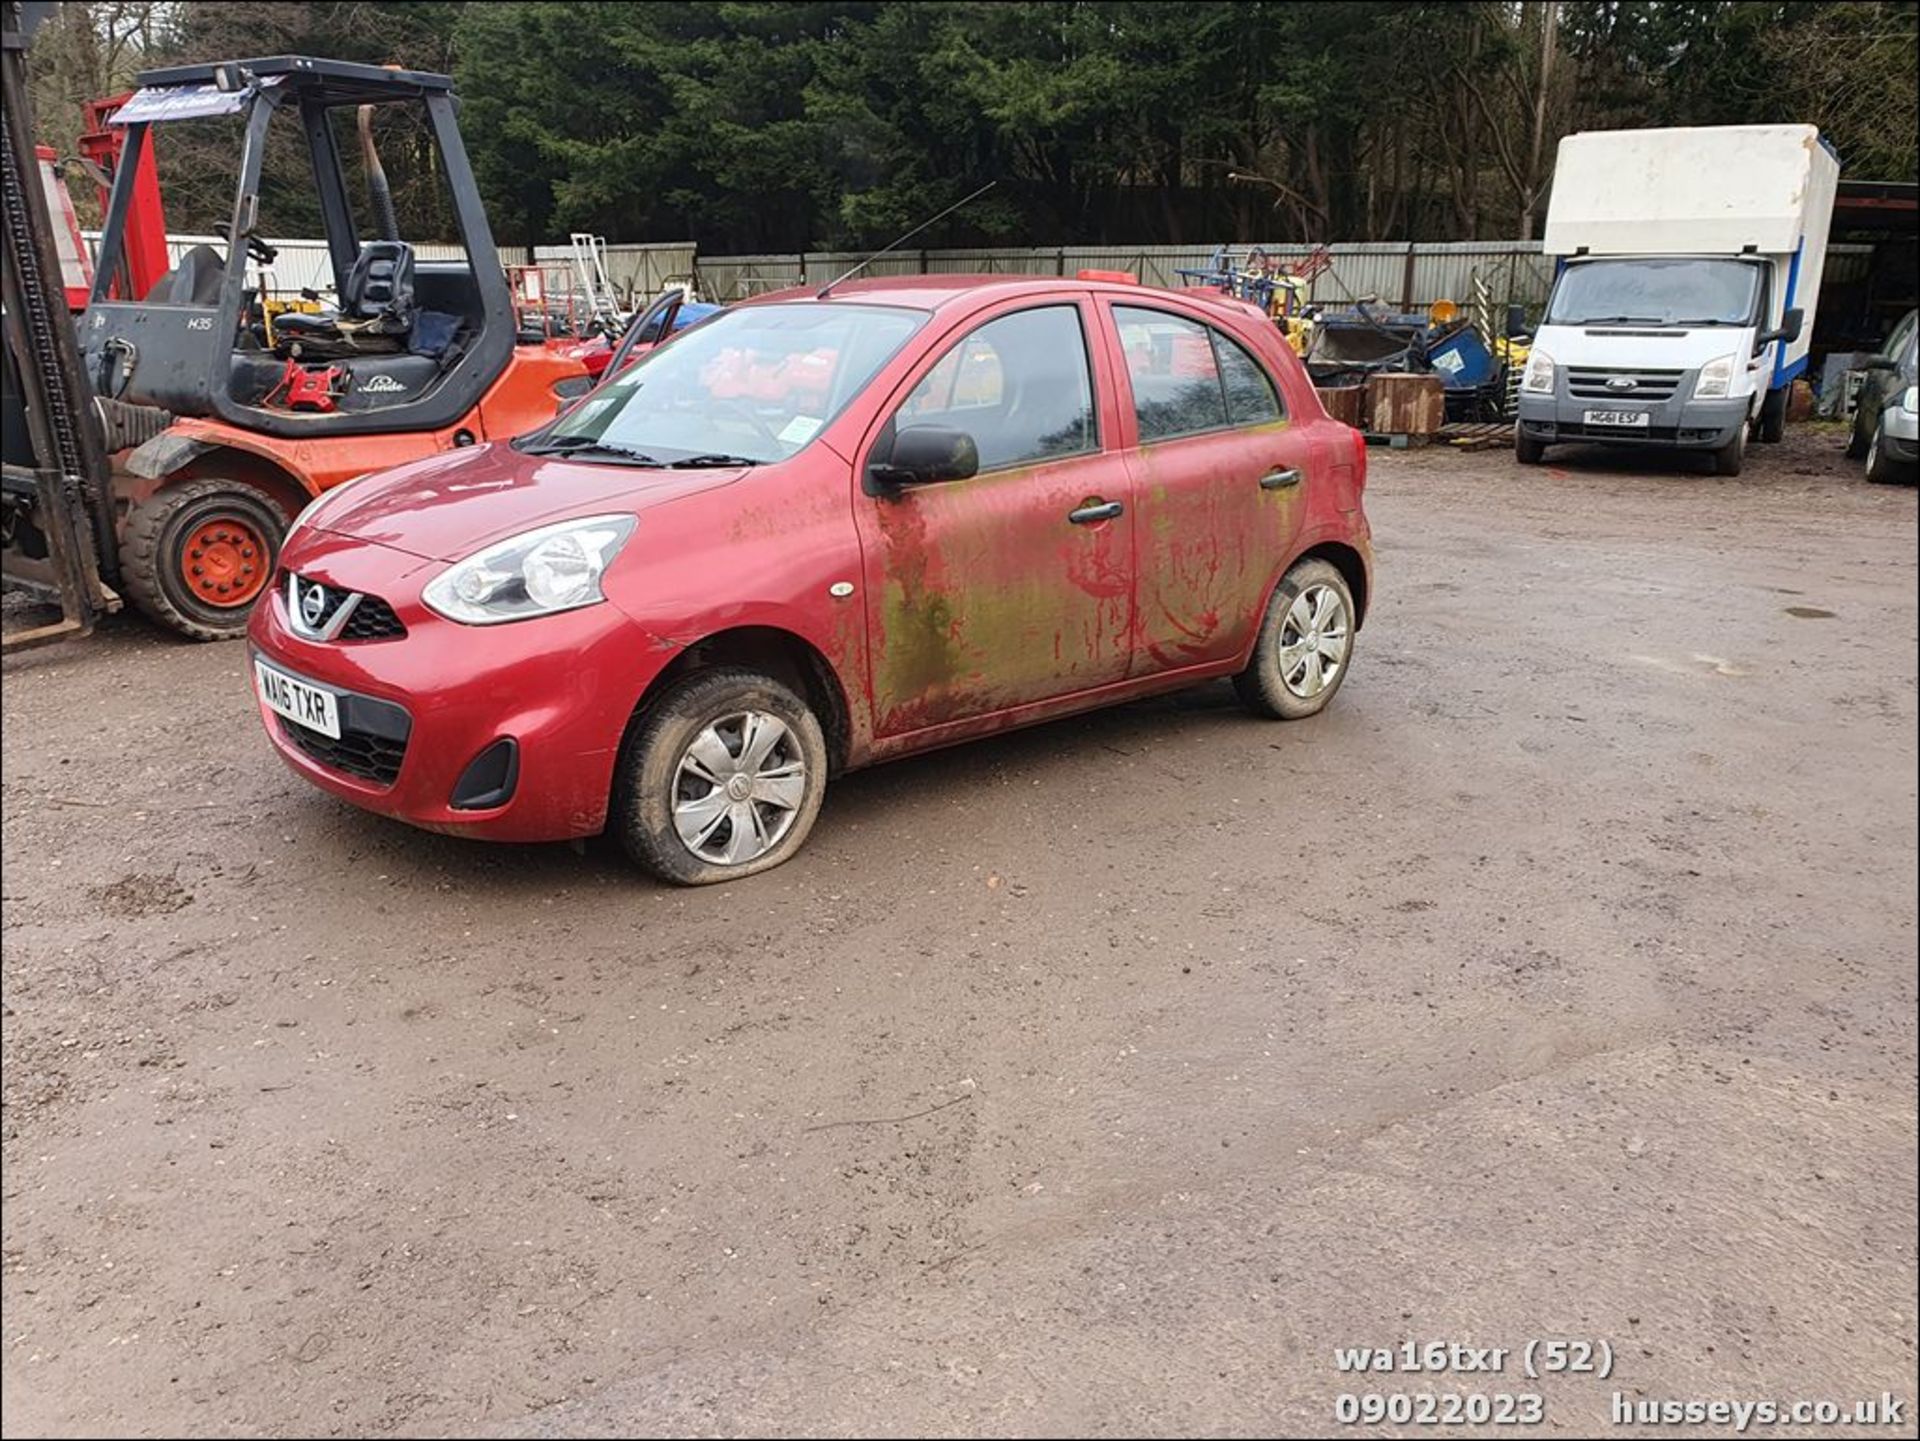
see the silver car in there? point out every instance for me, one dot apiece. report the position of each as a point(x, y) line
point(1885, 428)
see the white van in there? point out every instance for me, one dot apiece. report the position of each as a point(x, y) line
point(1688, 262)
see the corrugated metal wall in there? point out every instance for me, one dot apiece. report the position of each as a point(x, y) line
point(1418, 274)
point(637, 271)
point(303, 264)
point(1512, 272)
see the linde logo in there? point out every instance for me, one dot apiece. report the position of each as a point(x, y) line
point(382, 385)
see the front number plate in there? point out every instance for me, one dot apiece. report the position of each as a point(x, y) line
point(1638, 418)
point(303, 704)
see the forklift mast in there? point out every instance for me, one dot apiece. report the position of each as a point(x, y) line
point(57, 506)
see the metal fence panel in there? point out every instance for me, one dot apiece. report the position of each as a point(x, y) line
point(1512, 271)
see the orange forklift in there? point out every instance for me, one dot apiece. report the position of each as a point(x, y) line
point(227, 413)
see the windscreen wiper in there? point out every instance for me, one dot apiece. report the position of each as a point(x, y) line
point(1618, 320)
point(711, 461)
point(580, 447)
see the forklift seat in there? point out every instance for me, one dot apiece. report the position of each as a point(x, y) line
point(377, 299)
point(380, 285)
point(194, 280)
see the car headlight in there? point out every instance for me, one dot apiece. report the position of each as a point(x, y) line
point(542, 572)
point(1715, 378)
point(1539, 373)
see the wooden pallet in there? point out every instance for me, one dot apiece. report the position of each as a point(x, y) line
point(1476, 435)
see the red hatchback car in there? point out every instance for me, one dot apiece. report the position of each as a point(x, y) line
point(811, 533)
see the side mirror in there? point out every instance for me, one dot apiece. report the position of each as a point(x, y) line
point(924, 455)
point(1789, 328)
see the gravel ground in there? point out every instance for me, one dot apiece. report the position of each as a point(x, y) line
point(1101, 1078)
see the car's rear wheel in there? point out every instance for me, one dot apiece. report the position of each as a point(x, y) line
point(1305, 643)
point(720, 778)
point(196, 556)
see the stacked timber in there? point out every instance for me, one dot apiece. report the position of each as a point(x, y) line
point(1343, 403)
point(1399, 403)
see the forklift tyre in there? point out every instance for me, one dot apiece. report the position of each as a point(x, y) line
point(198, 554)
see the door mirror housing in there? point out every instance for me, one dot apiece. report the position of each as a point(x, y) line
point(1789, 329)
point(924, 455)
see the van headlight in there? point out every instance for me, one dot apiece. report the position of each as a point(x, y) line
point(1910, 399)
point(541, 572)
point(1538, 377)
point(1715, 378)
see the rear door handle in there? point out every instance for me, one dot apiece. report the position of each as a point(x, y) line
point(1279, 479)
point(1088, 514)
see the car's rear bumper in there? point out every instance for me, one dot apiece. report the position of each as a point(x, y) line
point(419, 710)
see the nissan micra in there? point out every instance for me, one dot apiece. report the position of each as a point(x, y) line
point(814, 532)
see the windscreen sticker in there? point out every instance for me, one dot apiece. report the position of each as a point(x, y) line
point(800, 429)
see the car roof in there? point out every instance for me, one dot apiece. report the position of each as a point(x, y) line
point(937, 292)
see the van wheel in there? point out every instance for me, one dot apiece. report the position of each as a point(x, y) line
point(1306, 640)
point(1526, 449)
point(720, 778)
point(196, 556)
point(1773, 416)
point(1728, 459)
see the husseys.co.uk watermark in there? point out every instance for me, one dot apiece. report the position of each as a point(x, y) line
point(1546, 1359)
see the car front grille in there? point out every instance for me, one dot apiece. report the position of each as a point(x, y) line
point(319, 611)
point(372, 619)
point(1595, 383)
point(358, 753)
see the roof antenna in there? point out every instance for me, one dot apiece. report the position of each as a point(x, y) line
point(826, 289)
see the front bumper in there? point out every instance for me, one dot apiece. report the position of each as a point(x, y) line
point(1671, 422)
point(422, 707)
point(1900, 434)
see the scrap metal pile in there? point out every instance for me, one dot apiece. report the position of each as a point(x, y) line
point(1346, 348)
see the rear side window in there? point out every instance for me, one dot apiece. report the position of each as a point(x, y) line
point(1250, 395)
point(1019, 385)
point(1188, 377)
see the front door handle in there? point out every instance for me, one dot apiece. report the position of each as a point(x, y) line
point(1097, 511)
point(1279, 479)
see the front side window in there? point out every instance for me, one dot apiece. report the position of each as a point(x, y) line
point(1188, 377)
point(755, 383)
point(1019, 385)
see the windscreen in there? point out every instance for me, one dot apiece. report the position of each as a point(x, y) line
point(757, 383)
point(1656, 292)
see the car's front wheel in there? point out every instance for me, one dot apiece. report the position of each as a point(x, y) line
point(1300, 656)
point(721, 777)
point(1881, 467)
